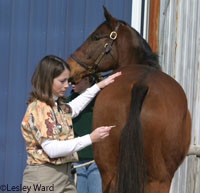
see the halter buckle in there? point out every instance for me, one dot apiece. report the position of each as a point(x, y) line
point(113, 35)
point(106, 44)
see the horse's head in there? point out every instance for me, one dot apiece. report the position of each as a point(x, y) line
point(98, 53)
point(112, 44)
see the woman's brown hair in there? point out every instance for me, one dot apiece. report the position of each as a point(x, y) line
point(47, 69)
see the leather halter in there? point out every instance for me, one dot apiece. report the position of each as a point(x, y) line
point(108, 47)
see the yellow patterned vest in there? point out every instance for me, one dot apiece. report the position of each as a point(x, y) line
point(39, 123)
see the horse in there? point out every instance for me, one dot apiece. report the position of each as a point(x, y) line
point(147, 106)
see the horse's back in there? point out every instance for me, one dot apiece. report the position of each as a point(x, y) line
point(165, 96)
point(164, 118)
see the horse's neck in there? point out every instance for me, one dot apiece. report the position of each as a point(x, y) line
point(129, 49)
point(134, 50)
point(128, 59)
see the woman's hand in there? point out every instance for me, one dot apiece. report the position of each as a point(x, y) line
point(108, 80)
point(100, 133)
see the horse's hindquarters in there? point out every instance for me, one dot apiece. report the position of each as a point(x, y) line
point(165, 124)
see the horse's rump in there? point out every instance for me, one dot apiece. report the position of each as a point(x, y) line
point(163, 115)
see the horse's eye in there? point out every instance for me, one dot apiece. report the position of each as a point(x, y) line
point(95, 38)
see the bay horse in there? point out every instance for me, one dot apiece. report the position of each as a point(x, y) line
point(148, 107)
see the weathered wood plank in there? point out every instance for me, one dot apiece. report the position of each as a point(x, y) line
point(193, 174)
point(194, 150)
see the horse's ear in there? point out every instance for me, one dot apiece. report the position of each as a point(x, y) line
point(109, 18)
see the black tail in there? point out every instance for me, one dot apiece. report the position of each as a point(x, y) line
point(131, 165)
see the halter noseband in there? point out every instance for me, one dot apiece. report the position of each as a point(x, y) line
point(108, 46)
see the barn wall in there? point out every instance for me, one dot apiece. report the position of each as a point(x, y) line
point(179, 51)
point(29, 30)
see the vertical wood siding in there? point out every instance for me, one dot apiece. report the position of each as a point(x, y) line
point(29, 30)
point(179, 50)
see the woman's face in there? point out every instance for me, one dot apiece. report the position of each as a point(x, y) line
point(81, 86)
point(60, 83)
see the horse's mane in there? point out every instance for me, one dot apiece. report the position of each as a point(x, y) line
point(148, 56)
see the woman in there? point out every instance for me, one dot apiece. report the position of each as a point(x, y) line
point(87, 177)
point(47, 128)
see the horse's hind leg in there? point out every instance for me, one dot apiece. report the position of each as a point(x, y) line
point(111, 188)
point(157, 187)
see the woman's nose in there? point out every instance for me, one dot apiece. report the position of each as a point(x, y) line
point(66, 85)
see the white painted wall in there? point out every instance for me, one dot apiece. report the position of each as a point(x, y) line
point(137, 16)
